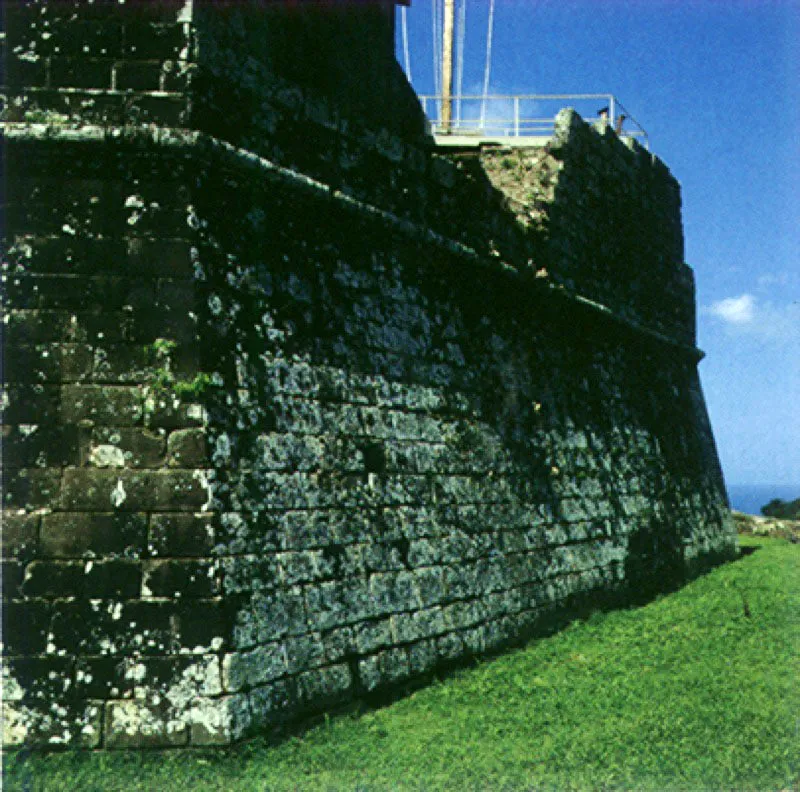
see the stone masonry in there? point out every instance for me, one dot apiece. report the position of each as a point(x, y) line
point(298, 411)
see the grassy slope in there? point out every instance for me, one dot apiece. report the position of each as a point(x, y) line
point(687, 693)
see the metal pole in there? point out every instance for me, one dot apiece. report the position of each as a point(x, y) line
point(404, 31)
point(488, 67)
point(612, 110)
point(447, 65)
point(461, 26)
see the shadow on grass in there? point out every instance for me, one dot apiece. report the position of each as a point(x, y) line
point(576, 609)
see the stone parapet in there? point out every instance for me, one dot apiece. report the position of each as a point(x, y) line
point(585, 212)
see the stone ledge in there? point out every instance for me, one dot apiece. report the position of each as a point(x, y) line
point(202, 145)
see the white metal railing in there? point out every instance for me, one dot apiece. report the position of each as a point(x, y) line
point(526, 115)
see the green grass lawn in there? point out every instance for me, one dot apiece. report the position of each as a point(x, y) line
point(686, 693)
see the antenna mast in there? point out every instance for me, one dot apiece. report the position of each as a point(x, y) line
point(447, 65)
point(488, 68)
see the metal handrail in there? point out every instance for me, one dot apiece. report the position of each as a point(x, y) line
point(512, 123)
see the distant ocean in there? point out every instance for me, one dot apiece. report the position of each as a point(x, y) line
point(749, 498)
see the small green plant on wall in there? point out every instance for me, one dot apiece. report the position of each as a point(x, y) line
point(162, 387)
point(36, 116)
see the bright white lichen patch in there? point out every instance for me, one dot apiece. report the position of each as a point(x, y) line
point(203, 477)
point(197, 412)
point(57, 724)
point(222, 449)
point(118, 494)
point(215, 304)
point(107, 456)
point(191, 701)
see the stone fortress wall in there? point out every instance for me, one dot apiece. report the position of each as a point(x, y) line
point(299, 411)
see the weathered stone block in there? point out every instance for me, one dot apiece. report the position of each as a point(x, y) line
point(136, 724)
point(324, 685)
point(20, 535)
point(282, 452)
point(373, 635)
point(274, 702)
point(80, 37)
point(422, 657)
point(46, 363)
point(170, 677)
point(409, 627)
point(181, 578)
point(134, 490)
point(204, 625)
point(424, 552)
point(137, 76)
point(113, 578)
point(187, 448)
point(285, 491)
point(25, 627)
point(250, 573)
point(159, 257)
point(31, 488)
point(340, 561)
point(177, 299)
point(23, 326)
point(383, 668)
point(76, 534)
point(80, 73)
point(117, 364)
point(69, 726)
point(54, 579)
point(338, 643)
point(63, 292)
point(112, 628)
point(199, 675)
point(430, 585)
point(167, 412)
point(126, 447)
point(104, 405)
point(104, 678)
point(304, 651)
point(40, 446)
point(11, 576)
point(573, 510)
point(182, 534)
point(31, 678)
point(461, 582)
point(300, 567)
point(386, 556)
point(254, 668)
point(475, 639)
point(63, 254)
point(338, 603)
point(219, 721)
point(25, 73)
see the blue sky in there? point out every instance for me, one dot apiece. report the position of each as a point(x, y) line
point(716, 83)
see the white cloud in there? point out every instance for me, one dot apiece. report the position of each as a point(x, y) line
point(735, 310)
point(747, 315)
point(773, 279)
point(778, 282)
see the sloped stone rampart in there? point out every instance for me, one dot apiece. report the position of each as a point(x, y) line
point(297, 411)
point(260, 463)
